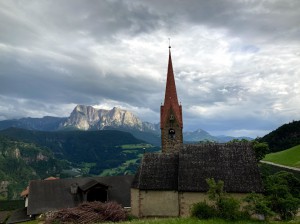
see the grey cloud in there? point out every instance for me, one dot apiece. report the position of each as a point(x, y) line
point(262, 21)
point(236, 62)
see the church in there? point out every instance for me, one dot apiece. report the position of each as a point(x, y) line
point(167, 184)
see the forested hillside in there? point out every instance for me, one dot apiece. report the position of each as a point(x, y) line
point(284, 137)
point(21, 162)
point(98, 150)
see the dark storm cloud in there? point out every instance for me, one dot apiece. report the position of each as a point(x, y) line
point(272, 19)
point(236, 63)
point(49, 80)
point(35, 21)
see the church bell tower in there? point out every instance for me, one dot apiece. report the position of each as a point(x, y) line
point(171, 115)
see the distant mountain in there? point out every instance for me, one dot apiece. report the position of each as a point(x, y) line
point(284, 137)
point(197, 136)
point(90, 118)
point(201, 135)
point(43, 124)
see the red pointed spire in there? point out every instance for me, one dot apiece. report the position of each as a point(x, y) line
point(171, 93)
point(171, 100)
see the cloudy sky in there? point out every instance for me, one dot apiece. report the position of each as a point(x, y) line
point(236, 63)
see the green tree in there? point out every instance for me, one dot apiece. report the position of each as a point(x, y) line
point(216, 189)
point(282, 191)
point(227, 207)
point(260, 149)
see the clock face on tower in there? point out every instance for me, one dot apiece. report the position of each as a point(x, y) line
point(171, 133)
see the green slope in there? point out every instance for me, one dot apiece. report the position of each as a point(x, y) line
point(288, 157)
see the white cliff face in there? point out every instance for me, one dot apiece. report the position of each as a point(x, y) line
point(90, 118)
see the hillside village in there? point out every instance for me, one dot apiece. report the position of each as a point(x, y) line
point(164, 182)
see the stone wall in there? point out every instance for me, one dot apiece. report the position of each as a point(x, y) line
point(170, 145)
point(135, 202)
point(168, 203)
point(154, 203)
point(187, 199)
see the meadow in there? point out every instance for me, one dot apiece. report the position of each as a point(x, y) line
point(288, 157)
point(192, 221)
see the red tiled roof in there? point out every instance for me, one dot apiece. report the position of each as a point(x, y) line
point(25, 192)
point(51, 178)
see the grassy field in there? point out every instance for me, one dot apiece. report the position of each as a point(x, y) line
point(191, 221)
point(197, 221)
point(289, 157)
point(120, 169)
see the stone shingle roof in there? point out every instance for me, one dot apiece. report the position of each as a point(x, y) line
point(157, 171)
point(234, 163)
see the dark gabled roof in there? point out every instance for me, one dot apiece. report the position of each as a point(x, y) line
point(157, 172)
point(49, 195)
point(119, 188)
point(234, 164)
point(19, 215)
point(91, 183)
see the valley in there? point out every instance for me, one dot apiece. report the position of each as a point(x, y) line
point(95, 142)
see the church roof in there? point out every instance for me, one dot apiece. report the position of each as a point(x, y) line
point(234, 164)
point(157, 170)
point(171, 99)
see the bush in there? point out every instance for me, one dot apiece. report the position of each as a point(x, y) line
point(258, 204)
point(228, 208)
point(202, 210)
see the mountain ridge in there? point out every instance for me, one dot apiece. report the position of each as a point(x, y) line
point(89, 118)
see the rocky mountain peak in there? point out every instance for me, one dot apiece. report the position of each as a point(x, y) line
point(89, 118)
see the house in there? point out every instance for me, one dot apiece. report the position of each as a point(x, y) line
point(169, 183)
point(45, 195)
point(24, 194)
point(52, 194)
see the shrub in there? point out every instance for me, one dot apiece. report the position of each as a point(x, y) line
point(228, 208)
point(216, 189)
point(202, 210)
point(258, 204)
